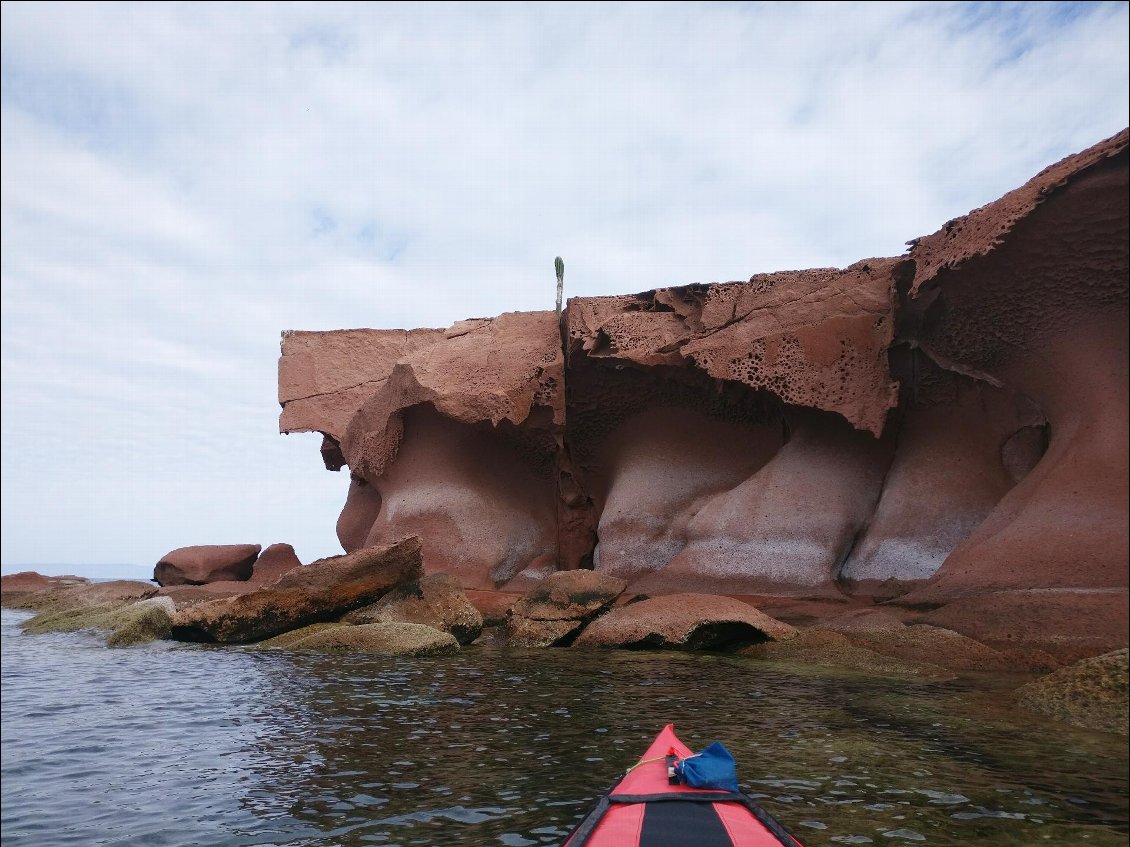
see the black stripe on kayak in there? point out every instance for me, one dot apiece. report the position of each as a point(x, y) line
point(588, 825)
point(677, 824)
point(763, 817)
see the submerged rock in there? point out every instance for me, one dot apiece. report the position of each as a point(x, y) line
point(388, 639)
point(555, 611)
point(1091, 693)
point(437, 601)
point(206, 563)
point(323, 590)
point(830, 649)
point(684, 622)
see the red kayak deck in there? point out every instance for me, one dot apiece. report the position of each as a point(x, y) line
point(644, 810)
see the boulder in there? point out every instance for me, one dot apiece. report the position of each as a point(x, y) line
point(323, 590)
point(554, 612)
point(684, 622)
point(273, 563)
point(387, 639)
point(437, 601)
point(1091, 693)
point(206, 563)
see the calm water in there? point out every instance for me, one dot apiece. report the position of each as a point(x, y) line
point(191, 745)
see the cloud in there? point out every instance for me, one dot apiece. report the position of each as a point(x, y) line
point(182, 182)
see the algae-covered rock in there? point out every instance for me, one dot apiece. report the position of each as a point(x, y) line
point(288, 640)
point(1091, 693)
point(437, 601)
point(135, 623)
point(147, 620)
point(389, 639)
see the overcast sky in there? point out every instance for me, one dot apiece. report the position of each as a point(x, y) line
point(182, 182)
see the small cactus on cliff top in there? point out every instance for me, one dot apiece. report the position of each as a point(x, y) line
point(559, 266)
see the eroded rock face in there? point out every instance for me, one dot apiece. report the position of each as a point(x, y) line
point(683, 622)
point(553, 613)
point(1030, 292)
point(206, 563)
point(946, 430)
point(323, 590)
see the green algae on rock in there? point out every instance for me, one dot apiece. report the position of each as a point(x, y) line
point(136, 623)
point(1092, 693)
point(389, 639)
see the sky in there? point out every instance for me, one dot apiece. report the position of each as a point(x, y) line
point(182, 182)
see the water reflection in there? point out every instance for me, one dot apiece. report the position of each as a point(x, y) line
point(191, 744)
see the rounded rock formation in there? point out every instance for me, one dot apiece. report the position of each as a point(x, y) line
point(206, 563)
point(684, 622)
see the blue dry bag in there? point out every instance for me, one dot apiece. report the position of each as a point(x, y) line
point(712, 768)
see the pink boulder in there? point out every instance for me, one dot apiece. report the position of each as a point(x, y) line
point(275, 561)
point(206, 563)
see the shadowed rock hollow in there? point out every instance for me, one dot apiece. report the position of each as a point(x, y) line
point(946, 430)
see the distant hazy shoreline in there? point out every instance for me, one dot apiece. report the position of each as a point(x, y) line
point(89, 571)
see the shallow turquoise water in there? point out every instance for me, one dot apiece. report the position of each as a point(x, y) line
point(191, 745)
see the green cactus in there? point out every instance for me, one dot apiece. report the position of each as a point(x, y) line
point(559, 266)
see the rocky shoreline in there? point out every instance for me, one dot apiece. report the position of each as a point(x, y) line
point(915, 466)
point(379, 600)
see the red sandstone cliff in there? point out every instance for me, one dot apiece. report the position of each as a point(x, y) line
point(947, 428)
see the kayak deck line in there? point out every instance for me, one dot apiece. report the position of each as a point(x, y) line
point(643, 809)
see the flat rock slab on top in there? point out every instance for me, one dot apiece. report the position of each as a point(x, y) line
point(320, 591)
point(683, 622)
point(206, 563)
point(387, 639)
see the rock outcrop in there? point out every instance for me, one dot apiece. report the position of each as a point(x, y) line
point(205, 563)
point(321, 591)
point(32, 590)
point(436, 601)
point(273, 562)
point(946, 430)
point(553, 613)
point(684, 622)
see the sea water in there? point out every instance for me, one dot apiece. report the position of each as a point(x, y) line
point(175, 744)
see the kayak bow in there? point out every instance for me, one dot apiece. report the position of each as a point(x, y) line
point(644, 810)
